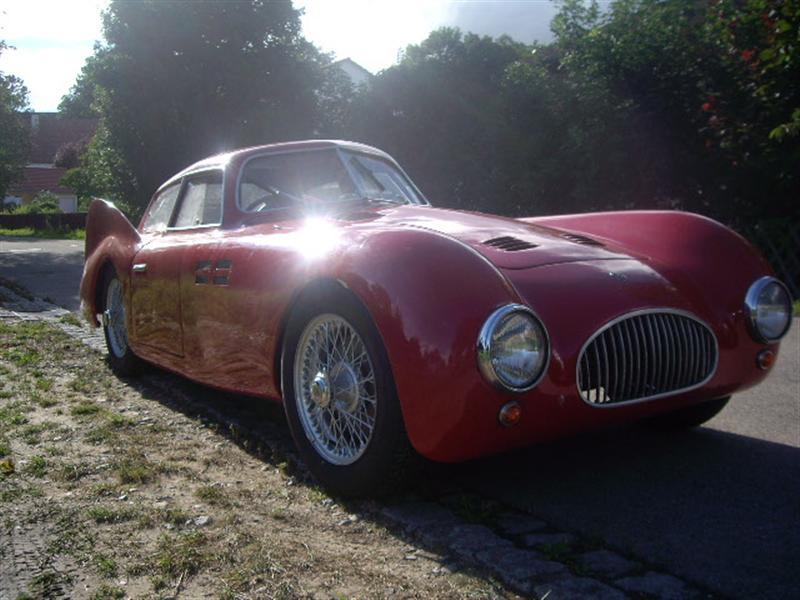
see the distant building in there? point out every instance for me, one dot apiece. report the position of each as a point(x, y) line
point(357, 74)
point(49, 132)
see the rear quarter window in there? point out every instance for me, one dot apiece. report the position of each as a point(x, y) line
point(160, 212)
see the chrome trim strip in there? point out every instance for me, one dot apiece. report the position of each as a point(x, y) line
point(751, 305)
point(645, 313)
point(484, 345)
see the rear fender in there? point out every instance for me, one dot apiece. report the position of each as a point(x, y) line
point(112, 240)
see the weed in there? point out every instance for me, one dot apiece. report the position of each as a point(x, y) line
point(85, 408)
point(5, 448)
point(135, 468)
point(71, 472)
point(22, 357)
point(71, 319)
point(213, 494)
point(104, 514)
point(37, 466)
point(106, 566)
point(174, 516)
point(180, 555)
point(108, 592)
point(30, 433)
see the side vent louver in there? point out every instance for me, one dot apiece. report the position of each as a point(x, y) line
point(580, 239)
point(509, 244)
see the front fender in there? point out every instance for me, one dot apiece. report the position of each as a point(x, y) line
point(429, 295)
point(709, 262)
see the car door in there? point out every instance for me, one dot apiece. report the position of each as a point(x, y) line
point(155, 298)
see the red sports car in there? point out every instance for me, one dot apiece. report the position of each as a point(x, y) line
point(317, 274)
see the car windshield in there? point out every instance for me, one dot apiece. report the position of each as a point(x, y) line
point(321, 179)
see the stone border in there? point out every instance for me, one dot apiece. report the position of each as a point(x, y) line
point(522, 552)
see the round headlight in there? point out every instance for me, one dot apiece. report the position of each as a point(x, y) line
point(769, 305)
point(513, 348)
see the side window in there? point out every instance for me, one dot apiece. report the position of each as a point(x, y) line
point(157, 218)
point(201, 203)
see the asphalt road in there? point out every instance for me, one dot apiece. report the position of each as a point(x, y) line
point(49, 269)
point(719, 506)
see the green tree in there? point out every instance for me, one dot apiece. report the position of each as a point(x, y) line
point(177, 81)
point(440, 111)
point(14, 141)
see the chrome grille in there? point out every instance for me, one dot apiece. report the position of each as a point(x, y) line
point(645, 355)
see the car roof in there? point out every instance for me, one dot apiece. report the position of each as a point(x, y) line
point(221, 160)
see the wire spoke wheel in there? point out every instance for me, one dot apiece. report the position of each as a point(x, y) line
point(114, 318)
point(335, 389)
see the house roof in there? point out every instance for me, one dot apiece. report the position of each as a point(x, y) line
point(50, 131)
point(36, 179)
point(351, 63)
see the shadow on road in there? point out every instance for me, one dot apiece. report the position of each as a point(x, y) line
point(714, 507)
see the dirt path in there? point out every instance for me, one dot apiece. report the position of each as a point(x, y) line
point(107, 492)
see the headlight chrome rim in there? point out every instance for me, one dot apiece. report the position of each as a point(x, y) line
point(751, 305)
point(485, 348)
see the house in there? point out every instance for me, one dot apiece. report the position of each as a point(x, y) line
point(49, 132)
point(357, 74)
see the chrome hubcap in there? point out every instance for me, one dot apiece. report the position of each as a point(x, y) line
point(321, 390)
point(114, 319)
point(335, 391)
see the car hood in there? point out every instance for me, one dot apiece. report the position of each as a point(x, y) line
point(507, 243)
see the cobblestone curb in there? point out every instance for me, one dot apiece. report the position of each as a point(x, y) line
point(523, 552)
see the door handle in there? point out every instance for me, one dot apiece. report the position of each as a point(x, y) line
point(140, 268)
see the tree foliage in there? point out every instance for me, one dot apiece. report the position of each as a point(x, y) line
point(640, 104)
point(14, 141)
point(178, 81)
point(645, 104)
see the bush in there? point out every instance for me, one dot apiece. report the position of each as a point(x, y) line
point(43, 203)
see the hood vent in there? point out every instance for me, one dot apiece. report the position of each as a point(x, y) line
point(580, 239)
point(509, 244)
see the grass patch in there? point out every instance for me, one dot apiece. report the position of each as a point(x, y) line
point(71, 319)
point(71, 472)
point(108, 592)
point(135, 468)
point(31, 433)
point(213, 494)
point(5, 448)
point(105, 514)
point(180, 555)
point(797, 308)
point(49, 234)
point(37, 466)
point(84, 408)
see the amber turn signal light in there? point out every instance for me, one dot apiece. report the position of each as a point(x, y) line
point(510, 414)
point(765, 359)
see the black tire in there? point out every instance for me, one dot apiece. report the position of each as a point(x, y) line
point(688, 417)
point(121, 358)
point(388, 458)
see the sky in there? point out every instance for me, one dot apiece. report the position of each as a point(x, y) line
point(52, 38)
